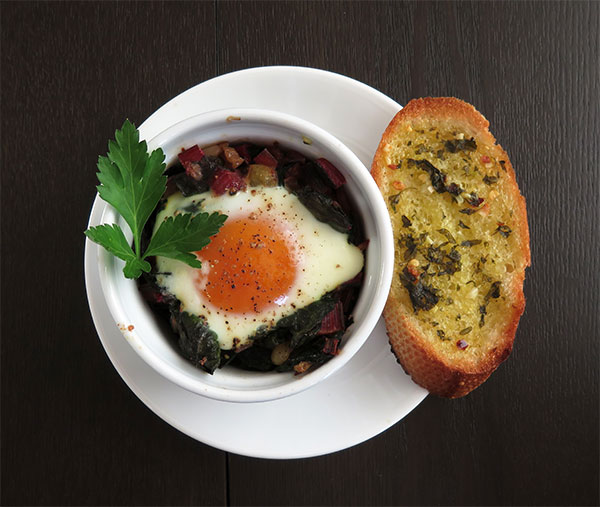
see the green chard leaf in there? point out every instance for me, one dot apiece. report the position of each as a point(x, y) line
point(179, 235)
point(133, 182)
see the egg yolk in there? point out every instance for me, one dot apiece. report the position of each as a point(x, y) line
point(252, 266)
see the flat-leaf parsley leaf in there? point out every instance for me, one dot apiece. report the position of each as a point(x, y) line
point(133, 182)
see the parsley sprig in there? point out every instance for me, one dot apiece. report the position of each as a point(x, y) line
point(133, 181)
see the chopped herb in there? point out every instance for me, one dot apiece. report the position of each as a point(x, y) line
point(463, 225)
point(434, 254)
point(422, 297)
point(409, 242)
point(455, 145)
point(193, 207)
point(448, 235)
point(393, 200)
point(442, 335)
point(454, 189)
point(408, 143)
point(440, 154)
point(436, 176)
point(133, 182)
point(466, 330)
point(483, 312)
point(453, 266)
point(467, 211)
point(503, 164)
point(405, 221)
point(434, 323)
point(474, 200)
point(490, 180)
point(505, 230)
point(494, 291)
point(462, 344)
point(470, 242)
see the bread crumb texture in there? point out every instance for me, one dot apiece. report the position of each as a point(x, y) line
point(461, 244)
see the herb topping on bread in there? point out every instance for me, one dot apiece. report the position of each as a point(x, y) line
point(462, 244)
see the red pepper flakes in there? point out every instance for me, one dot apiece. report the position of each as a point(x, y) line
point(485, 159)
point(398, 185)
point(462, 344)
point(130, 327)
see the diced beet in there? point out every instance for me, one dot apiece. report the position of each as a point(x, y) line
point(244, 151)
point(227, 181)
point(363, 246)
point(292, 177)
point(193, 154)
point(331, 346)
point(276, 152)
point(294, 156)
point(333, 175)
point(334, 320)
point(348, 297)
point(265, 158)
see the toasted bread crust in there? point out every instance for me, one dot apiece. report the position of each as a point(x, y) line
point(429, 367)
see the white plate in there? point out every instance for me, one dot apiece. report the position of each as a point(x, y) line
point(371, 393)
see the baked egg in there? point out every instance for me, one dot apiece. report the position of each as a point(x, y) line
point(270, 258)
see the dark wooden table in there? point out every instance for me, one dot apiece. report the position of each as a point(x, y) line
point(73, 433)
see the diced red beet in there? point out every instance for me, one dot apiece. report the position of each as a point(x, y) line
point(265, 158)
point(348, 296)
point(193, 170)
point(227, 181)
point(193, 154)
point(244, 151)
point(276, 152)
point(363, 246)
point(334, 320)
point(331, 346)
point(292, 178)
point(294, 156)
point(334, 176)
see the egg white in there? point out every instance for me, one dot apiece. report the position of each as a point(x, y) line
point(324, 259)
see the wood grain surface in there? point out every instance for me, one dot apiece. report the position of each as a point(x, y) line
point(72, 433)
